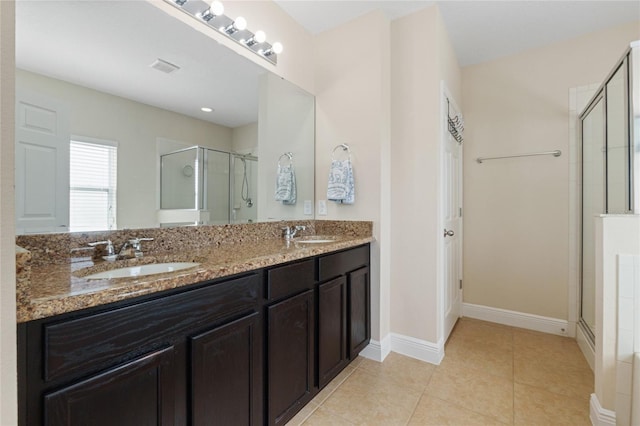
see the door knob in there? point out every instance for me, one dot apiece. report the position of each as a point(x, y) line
point(449, 233)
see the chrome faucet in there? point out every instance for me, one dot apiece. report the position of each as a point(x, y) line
point(109, 249)
point(135, 244)
point(288, 232)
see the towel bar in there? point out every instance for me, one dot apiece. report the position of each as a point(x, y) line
point(288, 155)
point(556, 153)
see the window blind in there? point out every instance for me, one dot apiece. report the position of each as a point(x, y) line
point(92, 192)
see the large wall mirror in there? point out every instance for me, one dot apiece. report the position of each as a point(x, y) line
point(110, 131)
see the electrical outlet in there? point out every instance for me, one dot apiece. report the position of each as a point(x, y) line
point(322, 207)
point(308, 207)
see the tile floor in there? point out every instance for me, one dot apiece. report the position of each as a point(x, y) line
point(491, 375)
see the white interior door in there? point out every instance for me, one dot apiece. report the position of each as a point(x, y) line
point(42, 164)
point(452, 230)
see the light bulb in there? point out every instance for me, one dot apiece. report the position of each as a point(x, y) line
point(277, 48)
point(240, 23)
point(259, 37)
point(216, 8)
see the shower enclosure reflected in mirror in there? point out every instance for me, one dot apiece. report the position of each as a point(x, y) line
point(610, 163)
point(203, 186)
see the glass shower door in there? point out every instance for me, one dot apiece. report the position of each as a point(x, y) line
point(618, 155)
point(593, 204)
point(180, 185)
point(217, 186)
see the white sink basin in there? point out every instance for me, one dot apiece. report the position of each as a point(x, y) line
point(315, 239)
point(137, 271)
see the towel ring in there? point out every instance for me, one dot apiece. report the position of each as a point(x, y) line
point(342, 146)
point(288, 155)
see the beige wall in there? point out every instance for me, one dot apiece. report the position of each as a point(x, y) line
point(8, 385)
point(352, 106)
point(244, 139)
point(422, 56)
point(516, 211)
point(285, 124)
point(136, 128)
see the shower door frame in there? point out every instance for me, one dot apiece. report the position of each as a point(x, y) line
point(597, 97)
point(630, 60)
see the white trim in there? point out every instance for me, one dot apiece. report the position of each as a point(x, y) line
point(377, 351)
point(516, 319)
point(586, 347)
point(416, 348)
point(600, 416)
point(95, 141)
point(441, 289)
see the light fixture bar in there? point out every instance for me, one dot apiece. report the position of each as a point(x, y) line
point(211, 13)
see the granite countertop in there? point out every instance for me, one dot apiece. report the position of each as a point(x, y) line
point(44, 290)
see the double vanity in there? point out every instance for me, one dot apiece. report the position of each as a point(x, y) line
point(248, 334)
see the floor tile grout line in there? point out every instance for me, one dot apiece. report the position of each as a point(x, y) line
point(413, 412)
point(466, 408)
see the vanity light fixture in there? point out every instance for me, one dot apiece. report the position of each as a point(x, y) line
point(276, 49)
point(258, 37)
point(206, 109)
point(240, 24)
point(216, 9)
point(211, 12)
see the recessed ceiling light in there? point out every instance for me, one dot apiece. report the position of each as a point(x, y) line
point(206, 109)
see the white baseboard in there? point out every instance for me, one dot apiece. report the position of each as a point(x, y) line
point(416, 348)
point(377, 351)
point(516, 319)
point(600, 416)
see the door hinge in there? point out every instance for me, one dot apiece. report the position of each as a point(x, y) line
point(460, 211)
point(460, 284)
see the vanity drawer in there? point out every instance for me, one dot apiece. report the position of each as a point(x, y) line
point(337, 264)
point(96, 341)
point(290, 279)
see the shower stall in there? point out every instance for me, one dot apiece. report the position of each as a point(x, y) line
point(610, 135)
point(201, 185)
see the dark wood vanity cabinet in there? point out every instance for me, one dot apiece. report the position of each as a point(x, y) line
point(226, 374)
point(318, 320)
point(344, 306)
point(359, 317)
point(332, 329)
point(247, 350)
point(188, 357)
point(290, 334)
point(139, 392)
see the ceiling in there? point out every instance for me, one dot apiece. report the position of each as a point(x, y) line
point(110, 45)
point(481, 30)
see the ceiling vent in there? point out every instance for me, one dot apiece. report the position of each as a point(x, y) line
point(164, 66)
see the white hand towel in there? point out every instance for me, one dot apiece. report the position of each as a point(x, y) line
point(341, 188)
point(286, 185)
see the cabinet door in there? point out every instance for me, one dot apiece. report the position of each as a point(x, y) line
point(332, 329)
point(226, 374)
point(359, 311)
point(290, 337)
point(137, 393)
